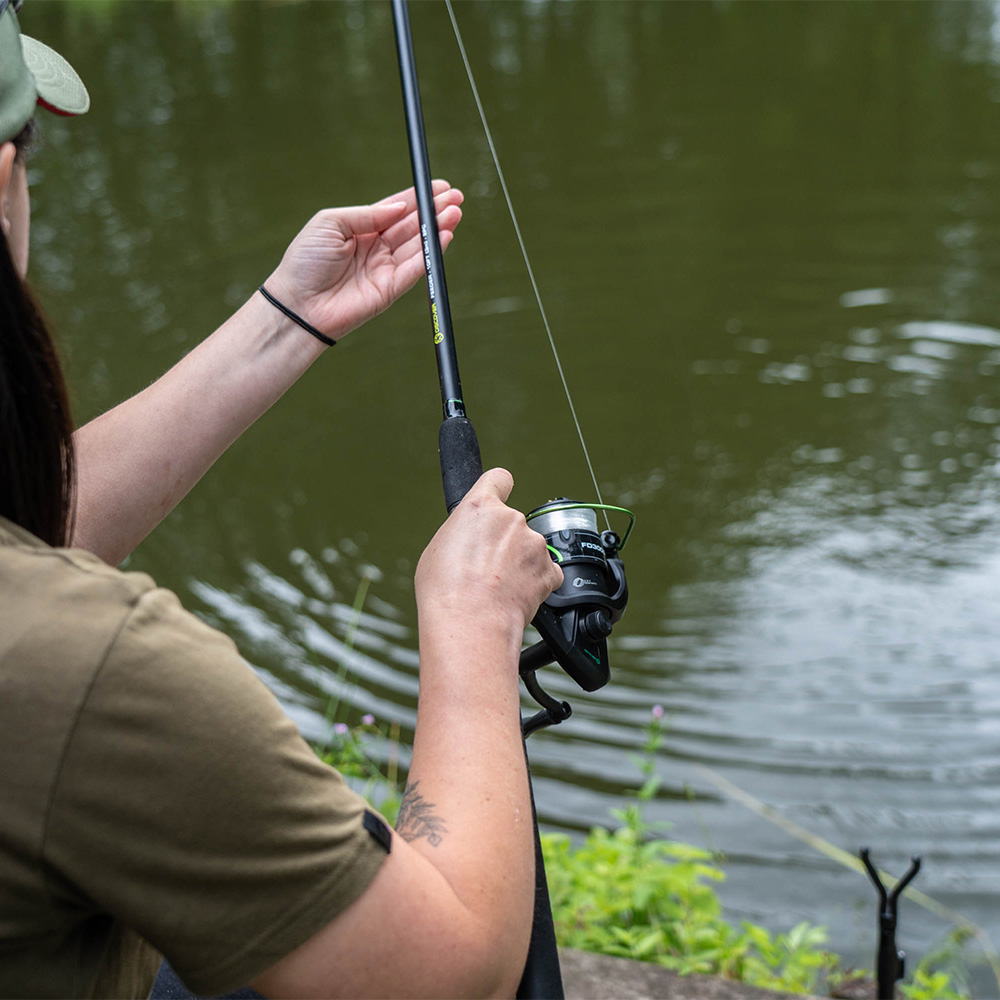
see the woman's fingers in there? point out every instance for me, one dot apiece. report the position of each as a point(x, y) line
point(411, 269)
point(447, 220)
point(409, 226)
point(359, 220)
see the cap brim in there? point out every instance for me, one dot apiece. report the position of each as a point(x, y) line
point(59, 88)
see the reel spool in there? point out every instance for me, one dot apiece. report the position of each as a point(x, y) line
point(574, 622)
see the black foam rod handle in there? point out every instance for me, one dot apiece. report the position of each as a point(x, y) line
point(461, 463)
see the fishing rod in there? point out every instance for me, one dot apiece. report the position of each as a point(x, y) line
point(575, 621)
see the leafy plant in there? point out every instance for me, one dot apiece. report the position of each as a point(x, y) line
point(931, 986)
point(348, 748)
point(941, 974)
point(348, 751)
point(629, 894)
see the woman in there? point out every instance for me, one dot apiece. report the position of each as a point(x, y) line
point(156, 800)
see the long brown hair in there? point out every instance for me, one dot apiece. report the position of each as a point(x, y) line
point(36, 442)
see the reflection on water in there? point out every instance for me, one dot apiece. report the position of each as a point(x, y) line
point(767, 237)
point(327, 660)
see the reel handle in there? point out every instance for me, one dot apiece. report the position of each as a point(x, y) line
point(461, 463)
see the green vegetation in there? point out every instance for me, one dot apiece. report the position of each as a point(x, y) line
point(652, 900)
point(636, 894)
point(942, 974)
point(348, 750)
point(623, 893)
point(631, 893)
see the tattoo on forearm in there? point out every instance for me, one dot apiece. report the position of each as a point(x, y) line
point(416, 819)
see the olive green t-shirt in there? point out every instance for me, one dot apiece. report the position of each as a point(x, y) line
point(154, 797)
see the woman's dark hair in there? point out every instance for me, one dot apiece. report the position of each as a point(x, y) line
point(36, 443)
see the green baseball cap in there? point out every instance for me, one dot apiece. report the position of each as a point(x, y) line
point(31, 74)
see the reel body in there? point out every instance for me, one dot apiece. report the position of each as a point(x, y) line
point(575, 621)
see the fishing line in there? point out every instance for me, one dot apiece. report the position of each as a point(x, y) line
point(524, 254)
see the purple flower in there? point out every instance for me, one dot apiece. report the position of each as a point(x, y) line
point(368, 719)
point(657, 711)
point(340, 728)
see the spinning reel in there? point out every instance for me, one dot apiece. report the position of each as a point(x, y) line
point(575, 620)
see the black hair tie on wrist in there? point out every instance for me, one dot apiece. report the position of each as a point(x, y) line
point(295, 317)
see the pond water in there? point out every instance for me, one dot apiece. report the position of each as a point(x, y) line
point(767, 239)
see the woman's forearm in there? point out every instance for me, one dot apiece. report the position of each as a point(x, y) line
point(136, 462)
point(467, 806)
point(449, 913)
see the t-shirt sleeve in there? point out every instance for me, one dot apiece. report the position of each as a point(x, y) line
point(189, 806)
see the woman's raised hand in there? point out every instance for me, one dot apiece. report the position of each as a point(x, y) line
point(348, 264)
